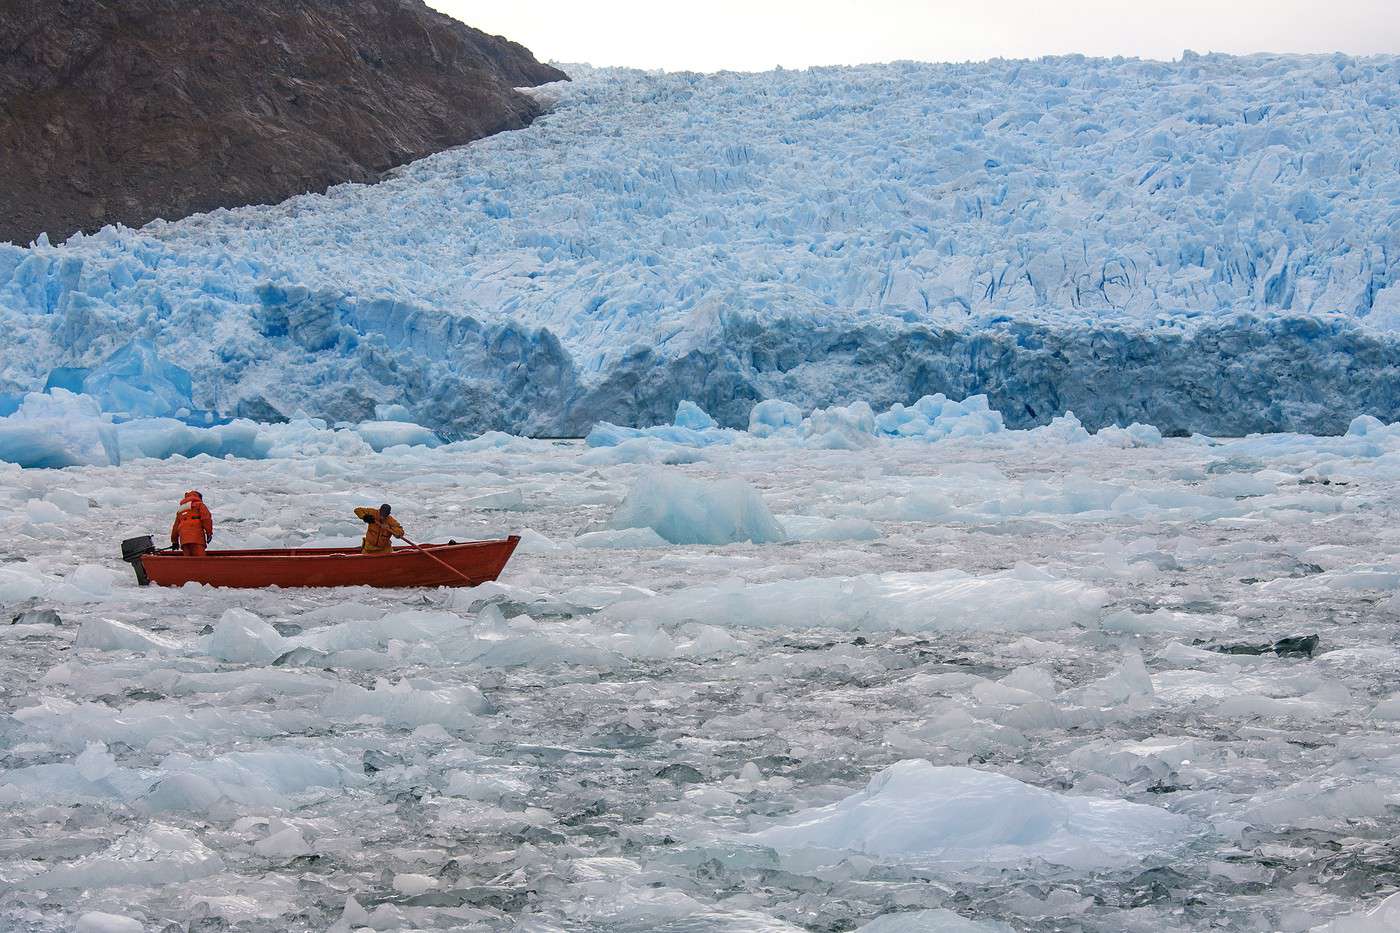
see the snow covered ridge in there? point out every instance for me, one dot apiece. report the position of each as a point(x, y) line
point(1206, 245)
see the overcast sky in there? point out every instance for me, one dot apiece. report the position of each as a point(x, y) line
point(755, 35)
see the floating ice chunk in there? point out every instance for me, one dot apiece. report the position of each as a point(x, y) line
point(1129, 682)
point(95, 921)
point(157, 855)
point(917, 813)
point(407, 706)
point(532, 542)
point(1065, 429)
point(931, 921)
point(408, 626)
point(86, 584)
point(642, 450)
point(1382, 918)
point(708, 641)
point(849, 427)
point(692, 416)
point(273, 778)
point(935, 417)
point(507, 500)
point(1154, 759)
point(242, 637)
point(382, 435)
point(1368, 426)
point(44, 513)
point(1134, 435)
point(606, 434)
point(1387, 709)
point(621, 538)
point(948, 600)
point(1001, 693)
point(773, 416)
point(1161, 622)
point(1240, 485)
point(816, 528)
point(111, 635)
point(1033, 679)
point(411, 885)
point(95, 762)
point(284, 843)
point(58, 429)
point(71, 502)
point(18, 585)
point(688, 511)
point(1312, 803)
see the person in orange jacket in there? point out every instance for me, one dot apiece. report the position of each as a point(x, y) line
point(383, 529)
point(194, 525)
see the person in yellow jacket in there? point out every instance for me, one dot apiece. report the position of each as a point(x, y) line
point(382, 530)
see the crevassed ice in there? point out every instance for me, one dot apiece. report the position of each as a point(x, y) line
point(1059, 233)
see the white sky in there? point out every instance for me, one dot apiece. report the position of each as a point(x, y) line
point(753, 35)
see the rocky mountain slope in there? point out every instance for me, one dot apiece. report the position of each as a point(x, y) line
point(123, 111)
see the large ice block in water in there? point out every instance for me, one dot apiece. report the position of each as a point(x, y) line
point(58, 429)
point(848, 427)
point(772, 416)
point(935, 417)
point(690, 511)
point(241, 636)
point(1020, 600)
point(917, 813)
point(691, 415)
point(383, 434)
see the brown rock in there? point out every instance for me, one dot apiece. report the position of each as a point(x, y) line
point(128, 110)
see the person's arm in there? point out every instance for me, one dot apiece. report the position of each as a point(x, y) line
point(206, 518)
point(367, 515)
point(395, 528)
point(175, 530)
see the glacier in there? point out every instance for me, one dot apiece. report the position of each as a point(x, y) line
point(1209, 244)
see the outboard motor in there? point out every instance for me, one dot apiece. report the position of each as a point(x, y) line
point(133, 549)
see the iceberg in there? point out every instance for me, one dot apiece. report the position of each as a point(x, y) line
point(772, 416)
point(690, 511)
point(932, 816)
point(691, 415)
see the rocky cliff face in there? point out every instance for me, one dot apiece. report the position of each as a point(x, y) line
point(128, 110)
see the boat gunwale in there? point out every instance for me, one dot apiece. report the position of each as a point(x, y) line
point(321, 553)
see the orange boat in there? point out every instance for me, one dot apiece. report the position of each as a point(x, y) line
point(433, 565)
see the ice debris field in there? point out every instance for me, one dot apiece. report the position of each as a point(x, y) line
point(1209, 244)
point(890, 671)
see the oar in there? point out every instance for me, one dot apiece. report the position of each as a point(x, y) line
point(426, 553)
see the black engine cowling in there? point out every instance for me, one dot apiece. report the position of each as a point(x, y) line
point(132, 551)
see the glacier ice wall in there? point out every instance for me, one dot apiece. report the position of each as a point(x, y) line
point(1209, 244)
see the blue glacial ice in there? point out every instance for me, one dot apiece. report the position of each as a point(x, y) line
point(1204, 245)
point(682, 510)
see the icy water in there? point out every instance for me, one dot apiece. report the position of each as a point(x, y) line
point(635, 739)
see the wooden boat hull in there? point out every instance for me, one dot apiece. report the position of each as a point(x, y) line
point(478, 561)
